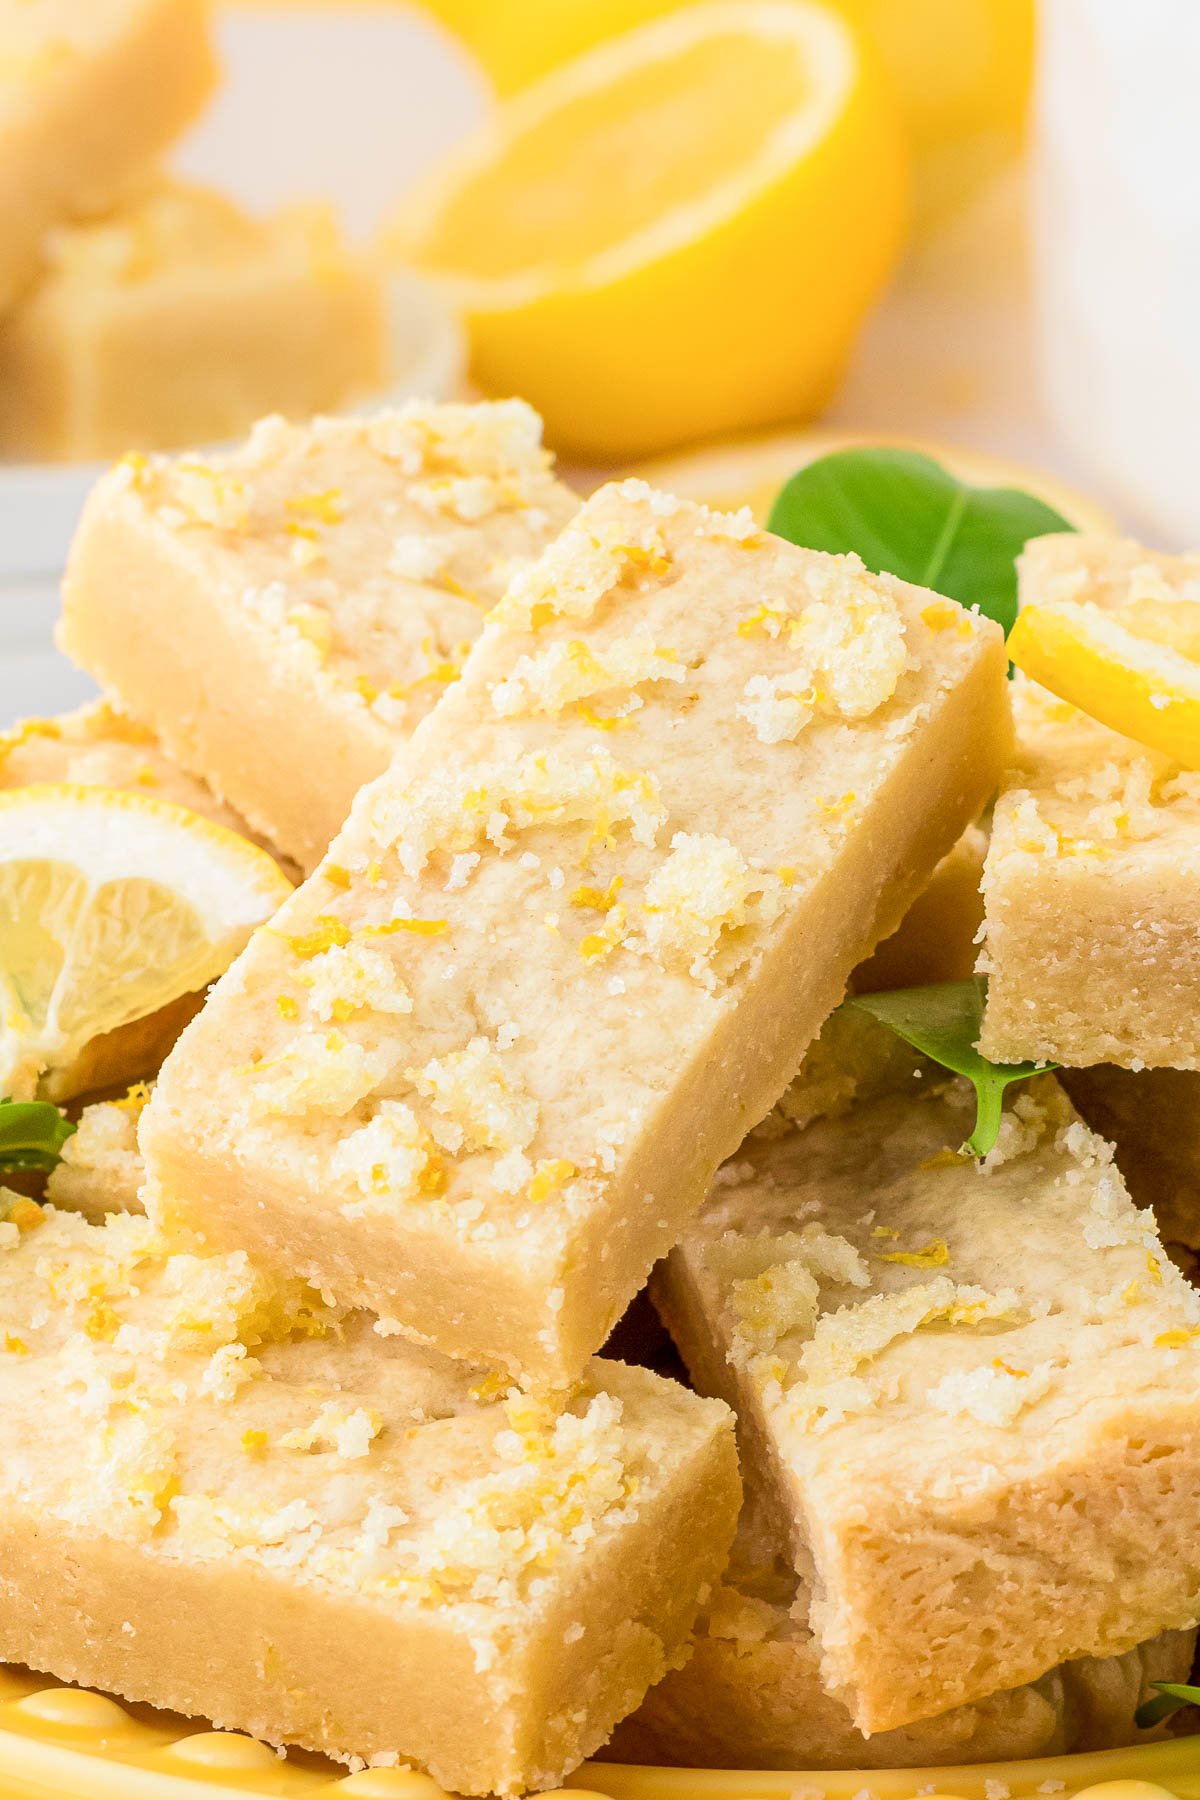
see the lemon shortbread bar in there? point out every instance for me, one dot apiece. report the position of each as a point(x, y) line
point(285, 614)
point(750, 1694)
point(1092, 947)
point(480, 1072)
point(179, 319)
point(970, 1391)
point(89, 90)
point(223, 1497)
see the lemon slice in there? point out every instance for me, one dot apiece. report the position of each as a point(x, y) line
point(1135, 668)
point(678, 233)
point(750, 471)
point(112, 905)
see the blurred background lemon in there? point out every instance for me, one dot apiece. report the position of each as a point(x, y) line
point(678, 233)
point(961, 67)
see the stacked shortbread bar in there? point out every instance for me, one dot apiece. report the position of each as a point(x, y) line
point(137, 310)
point(944, 1371)
point(179, 318)
point(90, 92)
point(1090, 941)
point(635, 792)
point(477, 1075)
point(284, 615)
point(751, 1695)
point(223, 1494)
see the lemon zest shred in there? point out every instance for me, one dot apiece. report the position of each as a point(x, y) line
point(933, 1255)
point(26, 1215)
point(598, 899)
point(326, 506)
point(491, 1387)
point(549, 1176)
point(135, 1097)
point(943, 615)
point(417, 927)
point(328, 933)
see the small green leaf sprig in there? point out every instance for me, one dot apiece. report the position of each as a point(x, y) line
point(1170, 1696)
point(943, 1022)
point(906, 515)
point(32, 1135)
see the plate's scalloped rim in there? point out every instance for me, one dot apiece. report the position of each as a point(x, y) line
point(61, 1743)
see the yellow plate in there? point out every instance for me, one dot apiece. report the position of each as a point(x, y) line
point(61, 1743)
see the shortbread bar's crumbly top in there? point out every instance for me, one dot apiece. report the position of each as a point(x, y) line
point(556, 816)
point(211, 1411)
point(667, 739)
point(892, 1313)
point(936, 1363)
point(1108, 571)
point(366, 549)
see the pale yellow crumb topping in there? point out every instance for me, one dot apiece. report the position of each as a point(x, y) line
point(856, 1268)
point(206, 1410)
point(411, 1092)
point(368, 549)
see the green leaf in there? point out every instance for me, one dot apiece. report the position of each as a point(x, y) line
point(1171, 1697)
point(32, 1134)
point(944, 1023)
point(906, 515)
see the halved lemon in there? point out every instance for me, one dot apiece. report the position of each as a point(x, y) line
point(112, 906)
point(1134, 668)
point(962, 67)
point(750, 471)
point(677, 234)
